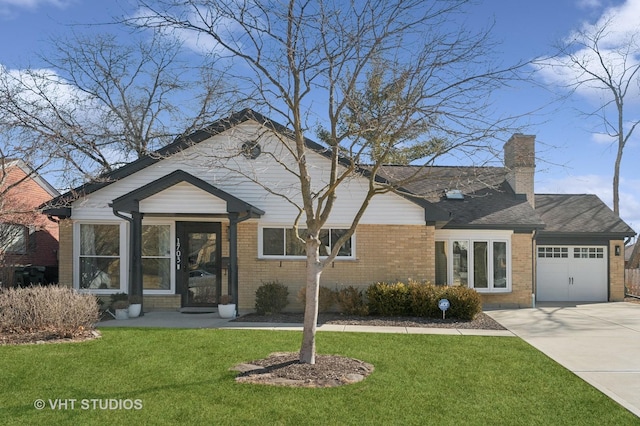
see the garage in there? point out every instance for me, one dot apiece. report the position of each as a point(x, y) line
point(571, 274)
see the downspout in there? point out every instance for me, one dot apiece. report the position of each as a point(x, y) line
point(132, 251)
point(534, 268)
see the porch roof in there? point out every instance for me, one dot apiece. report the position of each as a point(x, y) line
point(130, 202)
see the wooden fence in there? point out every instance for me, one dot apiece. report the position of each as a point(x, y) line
point(632, 281)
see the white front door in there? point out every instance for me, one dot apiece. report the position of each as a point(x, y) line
point(571, 274)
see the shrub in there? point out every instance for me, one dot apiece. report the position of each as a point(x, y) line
point(351, 301)
point(60, 311)
point(326, 298)
point(465, 302)
point(271, 298)
point(423, 300)
point(388, 299)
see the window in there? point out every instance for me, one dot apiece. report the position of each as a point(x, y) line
point(553, 252)
point(460, 263)
point(283, 242)
point(477, 262)
point(588, 253)
point(99, 256)
point(156, 257)
point(14, 238)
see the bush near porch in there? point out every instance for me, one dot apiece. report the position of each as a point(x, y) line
point(58, 312)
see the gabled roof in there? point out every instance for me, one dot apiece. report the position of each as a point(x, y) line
point(130, 202)
point(183, 142)
point(32, 174)
point(579, 214)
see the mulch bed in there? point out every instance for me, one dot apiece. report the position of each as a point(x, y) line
point(482, 321)
point(40, 337)
point(284, 369)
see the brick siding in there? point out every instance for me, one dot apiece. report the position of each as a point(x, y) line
point(383, 253)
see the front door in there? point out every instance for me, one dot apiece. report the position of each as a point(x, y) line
point(198, 260)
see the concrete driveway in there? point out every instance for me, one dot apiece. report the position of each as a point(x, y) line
point(598, 342)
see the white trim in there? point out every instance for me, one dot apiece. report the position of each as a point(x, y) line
point(124, 256)
point(472, 236)
point(172, 255)
point(261, 227)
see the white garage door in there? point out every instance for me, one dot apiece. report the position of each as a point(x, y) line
point(571, 274)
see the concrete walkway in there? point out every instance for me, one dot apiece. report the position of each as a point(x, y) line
point(212, 320)
point(598, 342)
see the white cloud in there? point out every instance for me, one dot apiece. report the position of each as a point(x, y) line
point(622, 30)
point(588, 4)
point(602, 139)
point(199, 42)
point(10, 8)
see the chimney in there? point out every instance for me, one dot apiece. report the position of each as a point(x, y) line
point(519, 159)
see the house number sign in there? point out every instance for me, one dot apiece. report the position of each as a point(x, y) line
point(178, 254)
point(443, 304)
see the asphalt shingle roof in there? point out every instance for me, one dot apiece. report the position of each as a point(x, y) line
point(489, 202)
point(577, 214)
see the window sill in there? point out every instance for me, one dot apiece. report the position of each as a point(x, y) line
point(304, 259)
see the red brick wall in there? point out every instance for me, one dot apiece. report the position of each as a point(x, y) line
point(42, 248)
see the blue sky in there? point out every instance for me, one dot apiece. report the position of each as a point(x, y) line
point(573, 155)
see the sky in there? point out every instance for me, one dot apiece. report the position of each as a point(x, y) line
point(573, 155)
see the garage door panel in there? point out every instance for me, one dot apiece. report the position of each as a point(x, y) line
point(588, 281)
point(572, 274)
point(552, 284)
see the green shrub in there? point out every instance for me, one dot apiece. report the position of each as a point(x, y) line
point(465, 303)
point(388, 299)
point(351, 301)
point(423, 300)
point(60, 311)
point(271, 298)
point(326, 298)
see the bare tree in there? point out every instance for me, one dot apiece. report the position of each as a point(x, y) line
point(602, 59)
point(375, 80)
point(100, 103)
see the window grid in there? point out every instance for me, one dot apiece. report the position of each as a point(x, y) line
point(588, 253)
point(553, 252)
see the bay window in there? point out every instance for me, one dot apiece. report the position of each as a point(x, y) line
point(480, 261)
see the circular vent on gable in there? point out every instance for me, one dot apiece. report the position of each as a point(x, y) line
point(251, 150)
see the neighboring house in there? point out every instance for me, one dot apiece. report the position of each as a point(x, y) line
point(187, 229)
point(28, 239)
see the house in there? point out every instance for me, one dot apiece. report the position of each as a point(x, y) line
point(192, 222)
point(29, 241)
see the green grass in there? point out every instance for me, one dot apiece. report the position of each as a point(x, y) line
point(183, 377)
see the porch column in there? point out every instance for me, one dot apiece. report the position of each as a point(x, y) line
point(135, 257)
point(233, 258)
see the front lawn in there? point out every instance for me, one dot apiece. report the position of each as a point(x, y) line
point(163, 376)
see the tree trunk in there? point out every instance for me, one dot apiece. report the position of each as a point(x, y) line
point(314, 270)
